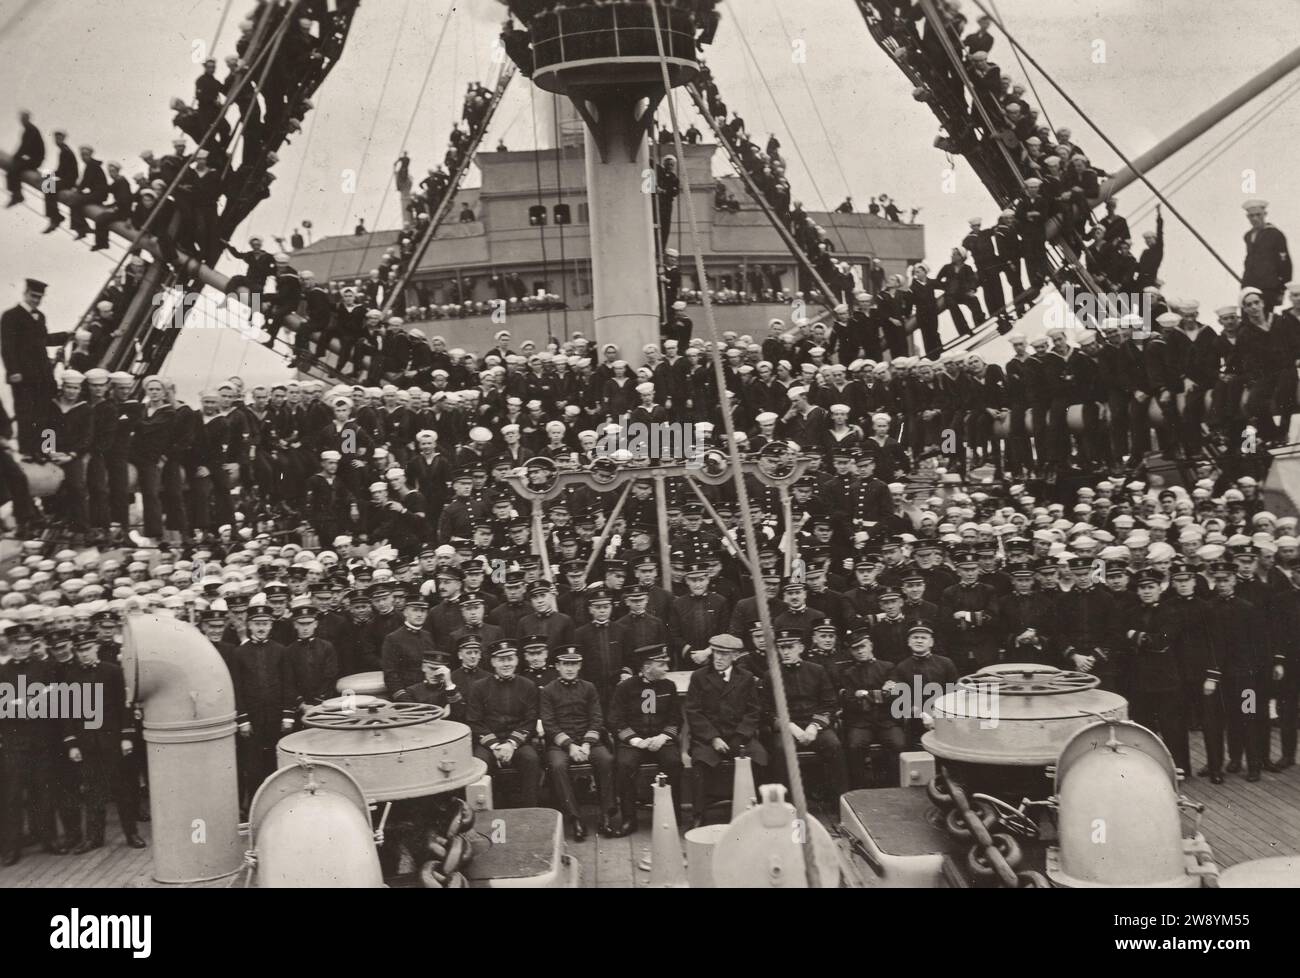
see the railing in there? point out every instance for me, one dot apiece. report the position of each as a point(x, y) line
point(602, 33)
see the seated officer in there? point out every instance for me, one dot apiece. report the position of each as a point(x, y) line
point(436, 688)
point(503, 718)
point(810, 697)
point(922, 670)
point(537, 666)
point(403, 649)
point(724, 710)
point(645, 714)
point(867, 718)
point(572, 724)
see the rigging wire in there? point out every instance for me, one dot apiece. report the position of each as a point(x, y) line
point(1024, 72)
point(781, 115)
point(559, 199)
point(306, 156)
point(410, 124)
point(541, 227)
point(835, 157)
point(374, 122)
point(811, 868)
point(1177, 182)
point(216, 35)
point(1114, 149)
point(12, 22)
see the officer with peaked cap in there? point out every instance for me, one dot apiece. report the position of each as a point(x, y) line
point(645, 716)
point(25, 746)
point(265, 696)
point(503, 713)
point(810, 697)
point(313, 661)
point(860, 685)
point(573, 730)
point(1155, 683)
point(100, 749)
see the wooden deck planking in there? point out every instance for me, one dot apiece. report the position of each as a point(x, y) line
point(1242, 821)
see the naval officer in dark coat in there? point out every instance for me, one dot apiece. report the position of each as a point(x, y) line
point(723, 710)
point(23, 344)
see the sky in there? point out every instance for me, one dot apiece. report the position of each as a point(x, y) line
point(106, 69)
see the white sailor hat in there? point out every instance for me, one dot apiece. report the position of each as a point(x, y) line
point(329, 455)
point(1254, 204)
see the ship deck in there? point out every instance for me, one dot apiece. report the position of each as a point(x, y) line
point(1242, 821)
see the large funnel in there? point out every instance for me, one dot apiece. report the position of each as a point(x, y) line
point(188, 699)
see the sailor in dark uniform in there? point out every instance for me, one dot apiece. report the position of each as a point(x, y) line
point(573, 730)
point(25, 748)
point(645, 716)
point(918, 678)
point(312, 660)
point(810, 696)
point(102, 752)
point(537, 655)
point(264, 696)
point(503, 718)
point(1268, 263)
point(403, 649)
point(1155, 693)
point(860, 684)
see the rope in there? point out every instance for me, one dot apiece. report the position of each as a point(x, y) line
point(216, 35)
point(541, 227)
point(1024, 72)
point(456, 177)
point(848, 188)
point(829, 298)
point(742, 495)
point(374, 121)
point(12, 22)
point(559, 190)
point(1218, 149)
point(306, 155)
point(410, 124)
point(788, 131)
point(1117, 151)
